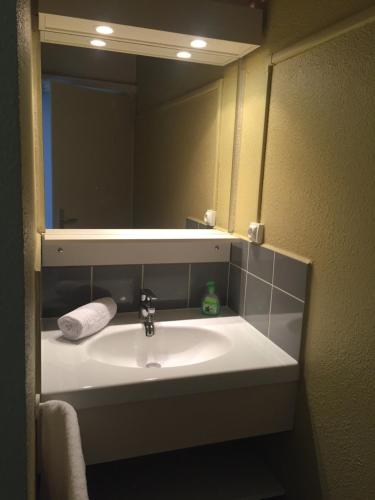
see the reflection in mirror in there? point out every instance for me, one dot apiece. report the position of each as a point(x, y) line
point(135, 142)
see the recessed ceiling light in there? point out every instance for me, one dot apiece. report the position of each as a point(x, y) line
point(98, 43)
point(198, 43)
point(183, 54)
point(104, 30)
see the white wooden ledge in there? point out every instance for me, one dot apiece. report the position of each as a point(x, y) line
point(81, 247)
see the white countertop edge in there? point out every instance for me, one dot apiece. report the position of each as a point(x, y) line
point(136, 234)
point(83, 399)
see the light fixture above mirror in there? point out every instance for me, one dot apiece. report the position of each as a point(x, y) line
point(80, 32)
point(104, 30)
point(198, 43)
point(98, 43)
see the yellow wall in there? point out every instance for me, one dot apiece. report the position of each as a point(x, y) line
point(33, 221)
point(92, 156)
point(318, 201)
point(288, 22)
point(81, 62)
point(176, 160)
point(226, 137)
point(184, 148)
point(161, 80)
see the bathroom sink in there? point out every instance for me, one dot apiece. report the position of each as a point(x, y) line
point(171, 346)
point(185, 356)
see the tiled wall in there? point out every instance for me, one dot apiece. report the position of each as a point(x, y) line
point(192, 223)
point(269, 290)
point(265, 287)
point(175, 285)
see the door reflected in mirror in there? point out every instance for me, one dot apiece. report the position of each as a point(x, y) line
point(135, 142)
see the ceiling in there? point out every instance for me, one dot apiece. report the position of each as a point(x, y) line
point(79, 62)
point(254, 4)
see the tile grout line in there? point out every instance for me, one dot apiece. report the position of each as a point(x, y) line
point(251, 274)
point(268, 282)
point(238, 267)
point(287, 293)
point(189, 285)
point(273, 267)
point(244, 298)
point(269, 312)
point(246, 271)
point(248, 256)
point(228, 277)
point(259, 278)
point(91, 283)
point(254, 275)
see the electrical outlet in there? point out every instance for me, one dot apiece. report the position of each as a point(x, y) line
point(256, 232)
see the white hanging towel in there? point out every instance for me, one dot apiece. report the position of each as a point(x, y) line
point(63, 469)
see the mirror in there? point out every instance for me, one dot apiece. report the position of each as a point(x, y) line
point(135, 142)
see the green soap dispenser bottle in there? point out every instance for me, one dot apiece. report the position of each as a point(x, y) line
point(211, 302)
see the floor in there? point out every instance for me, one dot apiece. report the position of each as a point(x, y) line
point(229, 471)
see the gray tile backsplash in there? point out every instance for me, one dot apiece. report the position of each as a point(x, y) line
point(257, 303)
point(175, 285)
point(169, 282)
point(236, 291)
point(273, 288)
point(291, 275)
point(286, 322)
point(260, 262)
point(122, 283)
point(238, 253)
point(65, 288)
point(191, 223)
point(203, 272)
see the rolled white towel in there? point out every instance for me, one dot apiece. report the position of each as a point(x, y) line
point(87, 319)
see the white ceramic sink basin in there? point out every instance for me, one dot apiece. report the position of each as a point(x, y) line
point(185, 356)
point(171, 346)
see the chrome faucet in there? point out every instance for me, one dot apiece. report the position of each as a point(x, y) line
point(147, 311)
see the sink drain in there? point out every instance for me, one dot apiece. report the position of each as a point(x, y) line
point(153, 365)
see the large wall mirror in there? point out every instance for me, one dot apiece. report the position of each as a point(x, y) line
point(133, 141)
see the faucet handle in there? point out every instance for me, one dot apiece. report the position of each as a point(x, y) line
point(146, 312)
point(148, 295)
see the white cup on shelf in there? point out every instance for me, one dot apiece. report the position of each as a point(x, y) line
point(210, 217)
